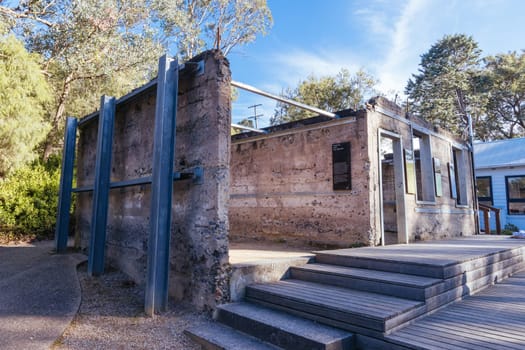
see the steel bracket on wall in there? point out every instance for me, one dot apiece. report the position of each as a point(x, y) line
point(99, 216)
point(156, 296)
point(161, 181)
point(66, 183)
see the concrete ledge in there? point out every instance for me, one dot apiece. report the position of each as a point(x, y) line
point(262, 271)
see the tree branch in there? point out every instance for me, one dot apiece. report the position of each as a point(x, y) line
point(26, 15)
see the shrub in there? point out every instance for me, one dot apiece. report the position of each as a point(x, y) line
point(29, 200)
point(511, 227)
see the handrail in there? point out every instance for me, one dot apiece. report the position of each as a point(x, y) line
point(486, 209)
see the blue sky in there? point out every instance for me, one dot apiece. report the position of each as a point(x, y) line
point(384, 37)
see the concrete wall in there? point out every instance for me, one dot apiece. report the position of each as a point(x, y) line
point(199, 240)
point(425, 220)
point(282, 186)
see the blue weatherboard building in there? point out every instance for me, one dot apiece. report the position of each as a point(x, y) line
point(500, 175)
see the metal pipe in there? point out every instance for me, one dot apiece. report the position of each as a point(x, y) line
point(239, 126)
point(284, 100)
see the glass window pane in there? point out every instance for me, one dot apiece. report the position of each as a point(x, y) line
point(517, 208)
point(516, 187)
point(483, 187)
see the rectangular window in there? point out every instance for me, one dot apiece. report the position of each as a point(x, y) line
point(484, 184)
point(515, 194)
point(424, 167)
point(458, 170)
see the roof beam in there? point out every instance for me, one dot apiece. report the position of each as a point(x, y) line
point(284, 100)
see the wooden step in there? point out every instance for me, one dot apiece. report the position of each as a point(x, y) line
point(382, 282)
point(282, 329)
point(215, 336)
point(424, 262)
point(341, 307)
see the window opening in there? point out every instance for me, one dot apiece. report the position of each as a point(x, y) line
point(515, 194)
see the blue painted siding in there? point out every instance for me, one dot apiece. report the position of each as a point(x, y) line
point(500, 195)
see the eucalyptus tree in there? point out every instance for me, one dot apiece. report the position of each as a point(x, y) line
point(195, 25)
point(94, 47)
point(331, 93)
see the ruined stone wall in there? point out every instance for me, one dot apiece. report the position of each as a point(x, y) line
point(282, 186)
point(443, 217)
point(199, 240)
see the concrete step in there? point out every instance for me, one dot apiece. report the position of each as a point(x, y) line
point(282, 329)
point(422, 264)
point(382, 282)
point(349, 309)
point(215, 336)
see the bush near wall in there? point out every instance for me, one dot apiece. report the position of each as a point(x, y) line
point(29, 200)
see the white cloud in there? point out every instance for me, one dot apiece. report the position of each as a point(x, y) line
point(388, 39)
point(296, 64)
point(401, 58)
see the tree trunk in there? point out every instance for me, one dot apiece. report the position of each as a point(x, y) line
point(57, 118)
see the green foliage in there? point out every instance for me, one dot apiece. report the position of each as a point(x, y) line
point(511, 227)
point(29, 199)
point(505, 79)
point(331, 93)
point(96, 47)
point(198, 24)
point(91, 48)
point(23, 95)
point(448, 83)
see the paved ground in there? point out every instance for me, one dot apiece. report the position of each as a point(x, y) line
point(39, 295)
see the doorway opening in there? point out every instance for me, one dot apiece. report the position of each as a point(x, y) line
point(392, 189)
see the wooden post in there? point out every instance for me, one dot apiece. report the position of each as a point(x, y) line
point(498, 221)
point(486, 219)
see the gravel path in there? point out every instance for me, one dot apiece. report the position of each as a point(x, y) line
point(111, 316)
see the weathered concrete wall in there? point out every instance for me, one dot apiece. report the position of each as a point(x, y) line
point(282, 186)
point(199, 240)
point(199, 263)
point(441, 218)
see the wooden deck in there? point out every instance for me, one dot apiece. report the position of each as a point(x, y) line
point(425, 296)
point(491, 319)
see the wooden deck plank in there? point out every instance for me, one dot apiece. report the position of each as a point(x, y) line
point(488, 319)
point(458, 329)
point(398, 278)
point(446, 339)
point(375, 305)
point(483, 316)
point(492, 319)
point(345, 298)
point(421, 341)
point(469, 331)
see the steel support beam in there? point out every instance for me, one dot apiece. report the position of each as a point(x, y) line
point(66, 183)
point(156, 297)
point(239, 126)
point(99, 217)
point(282, 99)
